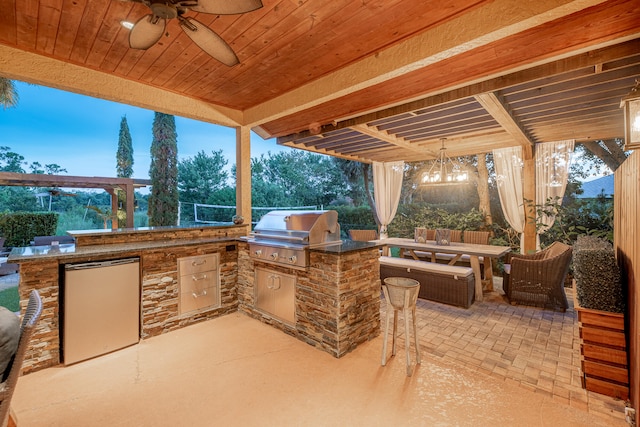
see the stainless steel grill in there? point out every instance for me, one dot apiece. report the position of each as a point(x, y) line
point(284, 237)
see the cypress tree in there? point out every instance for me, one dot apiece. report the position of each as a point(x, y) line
point(124, 166)
point(163, 200)
point(124, 157)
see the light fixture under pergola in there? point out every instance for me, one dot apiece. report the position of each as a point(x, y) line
point(631, 106)
point(445, 171)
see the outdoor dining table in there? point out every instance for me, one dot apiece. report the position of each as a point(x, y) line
point(474, 251)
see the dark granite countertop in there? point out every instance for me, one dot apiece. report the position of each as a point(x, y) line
point(346, 246)
point(147, 230)
point(71, 251)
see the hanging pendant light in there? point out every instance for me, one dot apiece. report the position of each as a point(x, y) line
point(631, 106)
point(444, 171)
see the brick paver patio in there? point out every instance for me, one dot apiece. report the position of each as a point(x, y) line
point(536, 348)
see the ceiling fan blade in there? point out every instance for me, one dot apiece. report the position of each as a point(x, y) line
point(209, 41)
point(226, 7)
point(145, 33)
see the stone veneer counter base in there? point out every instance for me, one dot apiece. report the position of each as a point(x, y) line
point(337, 298)
point(41, 268)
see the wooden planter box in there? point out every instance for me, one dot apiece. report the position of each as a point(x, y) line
point(604, 367)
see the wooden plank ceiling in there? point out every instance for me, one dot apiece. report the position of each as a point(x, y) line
point(364, 80)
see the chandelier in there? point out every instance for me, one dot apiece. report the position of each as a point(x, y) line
point(445, 171)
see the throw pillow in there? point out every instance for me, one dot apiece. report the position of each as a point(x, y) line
point(9, 337)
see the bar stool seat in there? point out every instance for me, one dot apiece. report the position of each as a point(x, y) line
point(401, 293)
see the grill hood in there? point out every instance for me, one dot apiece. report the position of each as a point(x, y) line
point(312, 228)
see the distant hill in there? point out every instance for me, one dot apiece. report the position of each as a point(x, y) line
point(594, 188)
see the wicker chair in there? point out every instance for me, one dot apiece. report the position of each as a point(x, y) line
point(11, 374)
point(476, 237)
point(363, 235)
point(456, 236)
point(538, 279)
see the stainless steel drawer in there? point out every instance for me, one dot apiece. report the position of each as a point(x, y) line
point(197, 281)
point(197, 264)
point(198, 300)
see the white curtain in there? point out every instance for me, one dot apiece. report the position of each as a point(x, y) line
point(387, 185)
point(508, 163)
point(552, 169)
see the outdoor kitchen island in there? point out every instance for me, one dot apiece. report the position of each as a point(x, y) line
point(295, 274)
point(337, 298)
point(160, 251)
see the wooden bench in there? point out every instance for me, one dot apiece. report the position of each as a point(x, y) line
point(438, 282)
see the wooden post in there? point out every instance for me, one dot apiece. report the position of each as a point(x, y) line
point(114, 207)
point(243, 173)
point(130, 197)
point(529, 193)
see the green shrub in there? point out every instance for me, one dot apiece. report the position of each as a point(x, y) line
point(10, 299)
point(350, 217)
point(411, 216)
point(19, 228)
point(598, 282)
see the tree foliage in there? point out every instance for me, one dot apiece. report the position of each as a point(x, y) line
point(124, 155)
point(8, 93)
point(295, 178)
point(163, 200)
point(201, 176)
point(124, 166)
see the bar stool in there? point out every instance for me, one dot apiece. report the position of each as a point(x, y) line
point(401, 293)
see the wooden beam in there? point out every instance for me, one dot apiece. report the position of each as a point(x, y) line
point(477, 27)
point(391, 139)
point(589, 59)
point(499, 111)
point(292, 144)
point(45, 180)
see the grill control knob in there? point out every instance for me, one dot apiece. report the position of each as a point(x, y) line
point(258, 252)
point(293, 259)
point(274, 255)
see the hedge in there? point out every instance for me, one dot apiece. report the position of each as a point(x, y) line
point(598, 281)
point(19, 228)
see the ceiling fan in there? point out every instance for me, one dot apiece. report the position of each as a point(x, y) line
point(150, 28)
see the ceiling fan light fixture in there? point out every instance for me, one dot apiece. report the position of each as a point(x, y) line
point(126, 24)
point(149, 29)
point(146, 32)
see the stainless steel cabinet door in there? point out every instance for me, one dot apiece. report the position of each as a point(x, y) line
point(275, 294)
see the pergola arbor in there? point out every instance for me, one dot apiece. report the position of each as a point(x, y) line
point(110, 185)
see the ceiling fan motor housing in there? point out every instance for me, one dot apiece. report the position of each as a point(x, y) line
point(163, 9)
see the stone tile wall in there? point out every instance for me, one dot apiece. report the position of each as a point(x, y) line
point(337, 298)
point(160, 291)
point(159, 295)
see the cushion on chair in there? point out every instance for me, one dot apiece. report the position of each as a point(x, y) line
point(9, 337)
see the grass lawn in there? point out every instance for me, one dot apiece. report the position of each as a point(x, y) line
point(9, 298)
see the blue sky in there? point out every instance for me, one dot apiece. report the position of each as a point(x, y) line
point(80, 133)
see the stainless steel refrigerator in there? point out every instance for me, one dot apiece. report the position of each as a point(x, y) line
point(101, 311)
